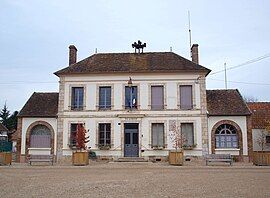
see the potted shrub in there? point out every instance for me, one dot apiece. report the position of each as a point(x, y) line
point(176, 156)
point(80, 156)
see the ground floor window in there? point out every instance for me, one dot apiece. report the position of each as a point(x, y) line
point(104, 134)
point(226, 136)
point(73, 133)
point(157, 135)
point(40, 137)
point(187, 134)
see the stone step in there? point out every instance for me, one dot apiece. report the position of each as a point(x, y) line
point(131, 159)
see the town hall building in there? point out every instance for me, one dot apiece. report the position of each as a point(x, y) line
point(130, 104)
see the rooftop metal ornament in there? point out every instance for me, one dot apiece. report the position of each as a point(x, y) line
point(138, 46)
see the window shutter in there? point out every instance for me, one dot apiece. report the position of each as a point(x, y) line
point(186, 97)
point(157, 134)
point(101, 97)
point(188, 133)
point(154, 135)
point(157, 97)
point(108, 97)
point(160, 135)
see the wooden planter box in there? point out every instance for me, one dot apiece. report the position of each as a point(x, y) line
point(176, 158)
point(261, 158)
point(80, 158)
point(5, 158)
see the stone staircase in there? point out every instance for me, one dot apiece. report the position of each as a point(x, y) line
point(131, 159)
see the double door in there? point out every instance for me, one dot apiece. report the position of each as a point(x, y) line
point(131, 139)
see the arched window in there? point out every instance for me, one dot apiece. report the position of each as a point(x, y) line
point(226, 136)
point(40, 137)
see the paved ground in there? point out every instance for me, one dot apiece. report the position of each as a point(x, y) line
point(134, 180)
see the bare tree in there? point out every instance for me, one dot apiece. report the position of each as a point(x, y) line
point(261, 138)
point(177, 137)
point(262, 143)
point(250, 99)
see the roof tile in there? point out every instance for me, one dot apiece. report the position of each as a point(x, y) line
point(226, 102)
point(40, 105)
point(132, 62)
point(260, 114)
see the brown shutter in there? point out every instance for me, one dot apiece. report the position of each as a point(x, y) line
point(157, 97)
point(186, 97)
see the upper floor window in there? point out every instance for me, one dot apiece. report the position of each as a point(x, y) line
point(186, 97)
point(104, 97)
point(131, 97)
point(157, 97)
point(226, 136)
point(77, 98)
point(188, 134)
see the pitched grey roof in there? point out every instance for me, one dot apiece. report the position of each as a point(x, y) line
point(133, 62)
point(226, 102)
point(40, 105)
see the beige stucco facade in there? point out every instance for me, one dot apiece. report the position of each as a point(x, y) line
point(26, 125)
point(241, 122)
point(144, 116)
point(117, 116)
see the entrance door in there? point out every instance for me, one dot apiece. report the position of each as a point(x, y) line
point(131, 140)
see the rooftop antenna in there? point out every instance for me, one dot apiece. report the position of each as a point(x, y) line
point(225, 70)
point(189, 30)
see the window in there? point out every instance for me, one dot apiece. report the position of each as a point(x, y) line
point(131, 97)
point(157, 135)
point(104, 134)
point(157, 97)
point(73, 133)
point(186, 97)
point(40, 137)
point(104, 97)
point(187, 134)
point(226, 136)
point(267, 139)
point(77, 98)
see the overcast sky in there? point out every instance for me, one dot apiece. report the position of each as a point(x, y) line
point(35, 35)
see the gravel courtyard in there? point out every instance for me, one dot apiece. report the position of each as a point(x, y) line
point(134, 180)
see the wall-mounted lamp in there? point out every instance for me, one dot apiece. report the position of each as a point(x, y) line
point(197, 80)
point(129, 82)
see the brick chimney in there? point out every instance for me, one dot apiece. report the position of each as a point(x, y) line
point(72, 54)
point(195, 53)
